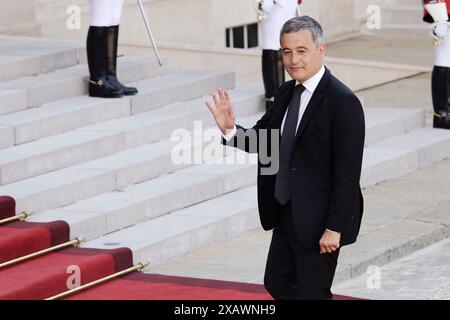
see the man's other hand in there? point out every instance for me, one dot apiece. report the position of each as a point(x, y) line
point(329, 241)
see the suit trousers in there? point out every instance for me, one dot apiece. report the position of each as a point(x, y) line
point(293, 272)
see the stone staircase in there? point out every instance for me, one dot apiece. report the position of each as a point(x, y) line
point(108, 167)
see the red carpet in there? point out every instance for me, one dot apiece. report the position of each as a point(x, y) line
point(141, 286)
point(46, 276)
point(7, 207)
point(21, 238)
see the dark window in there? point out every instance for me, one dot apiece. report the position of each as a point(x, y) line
point(243, 37)
point(238, 37)
point(252, 35)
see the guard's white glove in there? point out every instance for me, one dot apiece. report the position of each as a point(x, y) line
point(440, 29)
point(266, 6)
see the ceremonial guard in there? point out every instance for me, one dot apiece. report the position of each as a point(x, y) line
point(437, 12)
point(102, 43)
point(273, 14)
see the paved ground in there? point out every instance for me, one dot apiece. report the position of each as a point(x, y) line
point(409, 48)
point(422, 275)
point(402, 47)
point(238, 259)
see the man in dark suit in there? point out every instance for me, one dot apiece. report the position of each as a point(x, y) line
point(313, 202)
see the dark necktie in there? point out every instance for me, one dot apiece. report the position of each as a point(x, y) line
point(282, 192)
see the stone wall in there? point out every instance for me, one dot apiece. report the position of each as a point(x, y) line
point(201, 22)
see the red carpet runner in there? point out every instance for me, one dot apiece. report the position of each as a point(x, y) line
point(48, 275)
point(7, 207)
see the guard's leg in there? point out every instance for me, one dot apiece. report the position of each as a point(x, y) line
point(273, 74)
point(116, 12)
point(112, 41)
point(441, 97)
point(101, 12)
point(440, 82)
point(99, 86)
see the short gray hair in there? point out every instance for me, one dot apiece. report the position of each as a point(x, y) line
point(304, 22)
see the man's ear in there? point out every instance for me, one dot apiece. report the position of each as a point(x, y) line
point(322, 49)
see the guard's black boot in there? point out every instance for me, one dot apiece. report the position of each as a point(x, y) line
point(112, 42)
point(99, 86)
point(440, 84)
point(441, 119)
point(273, 74)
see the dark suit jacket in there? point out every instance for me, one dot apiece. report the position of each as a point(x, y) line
point(325, 165)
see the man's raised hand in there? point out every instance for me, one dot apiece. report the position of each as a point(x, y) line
point(222, 111)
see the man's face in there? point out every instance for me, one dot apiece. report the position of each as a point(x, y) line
point(301, 56)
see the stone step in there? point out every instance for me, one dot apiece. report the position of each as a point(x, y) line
point(73, 113)
point(150, 161)
point(405, 153)
point(419, 27)
point(22, 57)
point(160, 239)
point(117, 210)
point(12, 100)
point(397, 3)
point(381, 123)
point(66, 83)
point(393, 241)
point(52, 153)
point(91, 142)
point(65, 186)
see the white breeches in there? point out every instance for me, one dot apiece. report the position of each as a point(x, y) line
point(442, 52)
point(105, 13)
point(277, 15)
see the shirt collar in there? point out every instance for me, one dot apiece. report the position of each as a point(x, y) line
point(312, 83)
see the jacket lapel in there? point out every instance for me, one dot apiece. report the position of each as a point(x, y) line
point(317, 96)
